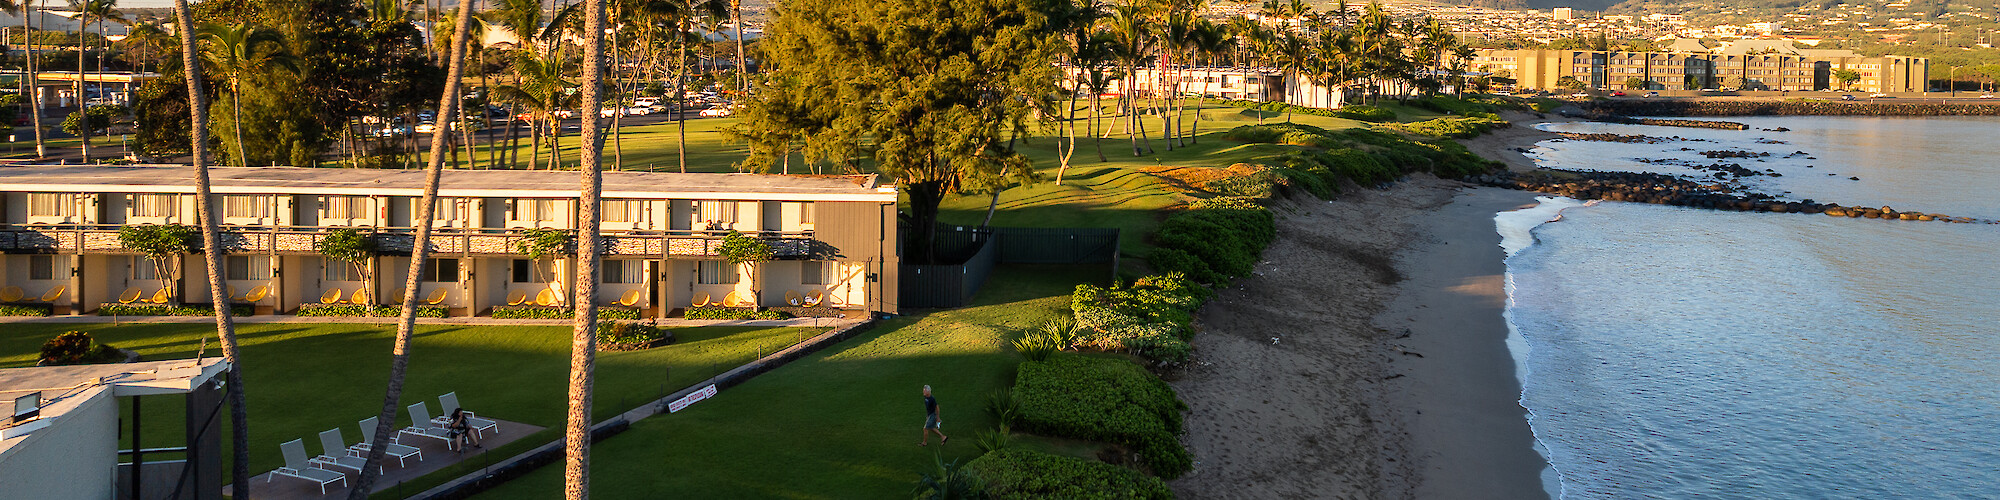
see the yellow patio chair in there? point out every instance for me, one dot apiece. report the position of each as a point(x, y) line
point(161, 296)
point(11, 294)
point(437, 296)
point(360, 296)
point(631, 298)
point(792, 297)
point(231, 292)
point(545, 298)
point(330, 297)
point(256, 294)
point(399, 295)
point(738, 299)
point(516, 297)
point(131, 295)
point(700, 300)
point(556, 294)
point(814, 298)
point(836, 300)
point(54, 294)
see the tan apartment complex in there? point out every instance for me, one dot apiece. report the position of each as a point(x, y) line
point(1753, 69)
point(832, 236)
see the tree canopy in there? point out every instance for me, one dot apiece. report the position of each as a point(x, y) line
point(931, 90)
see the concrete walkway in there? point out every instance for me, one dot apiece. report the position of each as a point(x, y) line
point(285, 318)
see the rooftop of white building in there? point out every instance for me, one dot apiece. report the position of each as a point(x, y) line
point(456, 183)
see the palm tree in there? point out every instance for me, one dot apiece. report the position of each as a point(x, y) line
point(1131, 34)
point(238, 50)
point(583, 346)
point(742, 67)
point(1210, 41)
point(88, 10)
point(399, 363)
point(540, 88)
point(225, 327)
point(32, 89)
point(683, 16)
point(524, 18)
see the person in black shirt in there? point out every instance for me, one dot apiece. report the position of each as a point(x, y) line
point(931, 421)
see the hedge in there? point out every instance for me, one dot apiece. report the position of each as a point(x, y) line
point(1026, 474)
point(1104, 399)
point(1150, 317)
point(165, 310)
point(1213, 241)
point(732, 313)
point(557, 312)
point(361, 311)
point(1451, 127)
point(26, 310)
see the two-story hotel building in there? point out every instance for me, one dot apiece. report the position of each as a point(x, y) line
point(1789, 69)
point(835, 235)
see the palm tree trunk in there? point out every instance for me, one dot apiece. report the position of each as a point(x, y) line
point(34, 83)
point(583, 346)
point(406, 325)
point(236, 122)
point(742, 64)
point(680, 93)
point(80, 99)
point(225, 326)
point(1069, 132)
point(1096, 117)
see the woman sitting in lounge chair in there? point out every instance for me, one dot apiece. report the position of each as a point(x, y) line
point(460, 431)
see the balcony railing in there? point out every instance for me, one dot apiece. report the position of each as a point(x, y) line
point(302, 240)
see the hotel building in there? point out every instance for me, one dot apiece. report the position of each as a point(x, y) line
point(835, 235)
point(1687, 68)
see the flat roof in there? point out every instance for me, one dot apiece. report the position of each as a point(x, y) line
point(454, 183)
point(64, 388)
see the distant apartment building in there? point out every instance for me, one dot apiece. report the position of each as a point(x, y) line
point(1256, 84)
point(1563, 13)
point(661, 232)
point(1683, 66)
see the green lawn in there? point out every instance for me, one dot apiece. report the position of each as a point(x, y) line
point(842, 423)
point(303, 379)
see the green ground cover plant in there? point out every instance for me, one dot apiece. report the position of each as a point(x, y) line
point(718, 312)
point(165, 310)
point(560, 312)
point(26, 310)
point(1104, 399)
point(1150, 317)
point(362, 311)
point(1213, 240)
point(1009, 474)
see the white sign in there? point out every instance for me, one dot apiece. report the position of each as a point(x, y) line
point(691, 398)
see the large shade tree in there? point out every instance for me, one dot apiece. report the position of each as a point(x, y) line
point(928, 89)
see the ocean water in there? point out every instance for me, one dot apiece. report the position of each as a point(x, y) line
point(1680, 353)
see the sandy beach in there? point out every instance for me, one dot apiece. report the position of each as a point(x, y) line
point(1366, 357)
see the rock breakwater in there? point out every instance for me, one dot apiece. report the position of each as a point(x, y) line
point(1662, 189)
point(1708, 107)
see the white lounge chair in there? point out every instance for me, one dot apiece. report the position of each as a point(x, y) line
point(297, 466)
point(395, 449)
point(449, 402)
point(421, 425)
point(338, 454)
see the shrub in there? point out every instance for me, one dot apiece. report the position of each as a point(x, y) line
point(1104, 399)
point(1366, 113)
point(994, 440)
point(1227, 239)
point(364, 311)
point(732, 313)
point(1449, 127)
point(629, 335)
point(26, 310)
point(78, 348)
point(558, 312)
point(946, 481)
point(1036, 346)
point(165, 310)
point(1024, 474)
point(1001, 404)
point(1262, 184)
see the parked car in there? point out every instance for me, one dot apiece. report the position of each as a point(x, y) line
point(1651, 94)
point(1580, 95)
point(637, 110)
point(1847, 97)
point(1879, 95)
point(645, 101)
point(427, 127)
point(392, 131)
point(1985, 96)
point(716, 113)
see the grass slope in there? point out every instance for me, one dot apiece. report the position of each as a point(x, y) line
point(842, 423)
point(304, 379)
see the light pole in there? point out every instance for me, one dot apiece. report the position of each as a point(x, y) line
point(1951, 81)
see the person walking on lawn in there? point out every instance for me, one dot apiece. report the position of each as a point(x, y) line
point(931, 422)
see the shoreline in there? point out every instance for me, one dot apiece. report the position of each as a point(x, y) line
point(1504, 144)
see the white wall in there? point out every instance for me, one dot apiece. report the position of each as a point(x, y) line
point(75, 457)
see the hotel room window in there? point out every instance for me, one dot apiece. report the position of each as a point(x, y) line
point(339, 271)
point(51, 204)
point(534, 210)
point(155, 205)
point(41, 267)
point(249, 267)
point(524, 270)
point(624, 271)
point(346, 207)
point(814, 272)
point(246, 205)
point(720, 212)
point(715, 272)
point(445, 209)
point(622, 210)
point(142, 269)
point(440, 271)
point(806, 217)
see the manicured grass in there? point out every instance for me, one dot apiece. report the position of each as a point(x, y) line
point(844, 422)
point(303, 379)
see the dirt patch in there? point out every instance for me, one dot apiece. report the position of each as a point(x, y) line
point(1196, 179)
